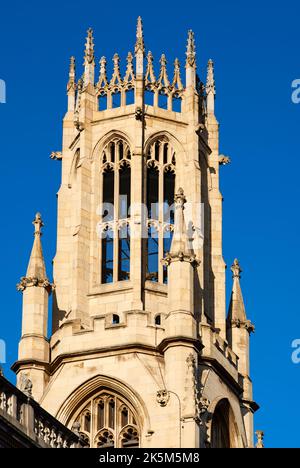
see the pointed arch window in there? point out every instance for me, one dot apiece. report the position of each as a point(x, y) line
point(116, 200)
point(160, 192)
point(112, 422)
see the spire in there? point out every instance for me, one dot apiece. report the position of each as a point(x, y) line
point(36, 270)
point(180, 243)
point(71, 86)
point(237, 313)
point(139, 49)
point(210, 88)
point(190, 63)
point(89, 59)
point(139, 45)
point(36, 267)
point(72, 78)
point(191, 50)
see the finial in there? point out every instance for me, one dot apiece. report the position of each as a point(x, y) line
point(177, 78)
point(163, 79)
point(71, 82)
point(260, 437)
point(139, 45)
point(102, 76)
point(89, 48)
point(38, 224)
point(129, 75)
point(236, 269)
point(116, 77)
point(191, 50)
point(150, 76)
point(210, 81)
point(89, 59)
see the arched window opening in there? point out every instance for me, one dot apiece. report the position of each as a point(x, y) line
point(176, 104)
point(124, 253)
point(152, 255)
point(223, 432)
point(112, 422)
point(115, 319)
point(129, 438)
point(152, 192)
point(148, 97)
point(124, 191)
point(121, 150)
point(108, 194)
point(111, 413)
point(107, 256)
point(124, 416)
point(116, 99)
point(158, 320)
point(100, 418)
point(87, 422)
point(112, 151)
point(161, 166)
point(163, 101)
point(166, 153)
point(169, 194)
point(102, 102)
point(157, 145)
point(129, 97)
point(116, 200)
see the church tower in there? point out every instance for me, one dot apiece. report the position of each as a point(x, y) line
point(142, 352)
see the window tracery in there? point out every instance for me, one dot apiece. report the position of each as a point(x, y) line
point(107, 421)
point(161, 168)
point(116, 199)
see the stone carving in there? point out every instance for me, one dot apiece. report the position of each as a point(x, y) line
point(163, 397)
point(201, 403)
point(25, 385)
point(260, 439)
point(138, 114)
point(236, 269)
point(223, 160)
point(56, 155)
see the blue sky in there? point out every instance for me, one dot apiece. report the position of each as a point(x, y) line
point(254, 46)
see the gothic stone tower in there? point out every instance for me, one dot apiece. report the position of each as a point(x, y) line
point(141, 352)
